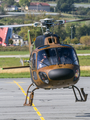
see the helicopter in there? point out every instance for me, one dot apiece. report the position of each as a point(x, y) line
point(52, 64)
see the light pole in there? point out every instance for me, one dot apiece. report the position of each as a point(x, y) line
point(71, 32)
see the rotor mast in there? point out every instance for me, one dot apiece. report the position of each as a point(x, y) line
point(47, 23)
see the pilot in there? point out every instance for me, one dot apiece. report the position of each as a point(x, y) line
point(66, 58)
point(44, 61)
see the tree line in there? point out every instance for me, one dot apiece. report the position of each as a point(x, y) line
point(76, 30)
point(63, 31)
point(67, 6)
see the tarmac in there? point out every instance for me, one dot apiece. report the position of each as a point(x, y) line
point(57, 104)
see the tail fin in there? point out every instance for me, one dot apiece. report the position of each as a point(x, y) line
point(29, 40)
point(31, 45)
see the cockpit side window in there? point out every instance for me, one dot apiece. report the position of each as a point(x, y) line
point(34, 61)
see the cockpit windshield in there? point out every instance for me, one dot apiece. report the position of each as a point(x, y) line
point(53, 56)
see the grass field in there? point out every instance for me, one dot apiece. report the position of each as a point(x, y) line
point(83, 51)
point(84, 73)
point(15, 75)
point(9, 62)
point(14, 52)
point(84, 60)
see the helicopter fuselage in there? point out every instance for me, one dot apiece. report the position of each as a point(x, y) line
point(58, 74)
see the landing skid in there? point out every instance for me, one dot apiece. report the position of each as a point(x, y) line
point(83, 96)
point(30, 96)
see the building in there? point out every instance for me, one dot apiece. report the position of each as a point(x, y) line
point(11, 8)
point(17, 40)
point(39, 6)
point(16, 0)
point(5, 35)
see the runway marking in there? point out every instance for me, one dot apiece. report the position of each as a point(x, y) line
point(13, 82)
point(36, 110)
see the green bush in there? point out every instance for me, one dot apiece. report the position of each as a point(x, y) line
point(67, 40)
point(14, 48)
point(81, 47)
point(74, 41)
point(85, 40)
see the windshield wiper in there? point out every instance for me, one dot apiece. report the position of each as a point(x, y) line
point(43, 62)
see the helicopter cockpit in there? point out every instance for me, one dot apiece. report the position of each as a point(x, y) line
point(59, 55)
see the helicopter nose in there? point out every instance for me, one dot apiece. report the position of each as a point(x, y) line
point(61, 74)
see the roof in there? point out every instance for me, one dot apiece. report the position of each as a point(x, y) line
point(37, 3)
point(3, 34)
point(11, 6)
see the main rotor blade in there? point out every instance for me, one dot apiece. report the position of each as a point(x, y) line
point(77, 20)
point(22, 25)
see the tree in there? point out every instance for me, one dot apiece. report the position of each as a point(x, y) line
point(82, 30)
point(17, 4)
point(7, 2)
point(85, 40)
point(60, 31)
point(74, 41)
point(70, 30)
point(67, 40)
point(2, 11)
point(10, 2)
point(65, 5)
point(34, 32)
point(10, 41)
point(24, 3)
point(82, 11)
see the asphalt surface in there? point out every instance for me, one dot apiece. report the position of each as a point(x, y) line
point(58, 104)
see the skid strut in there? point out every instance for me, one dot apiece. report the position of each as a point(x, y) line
point(30, 96)
point(83, 96)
